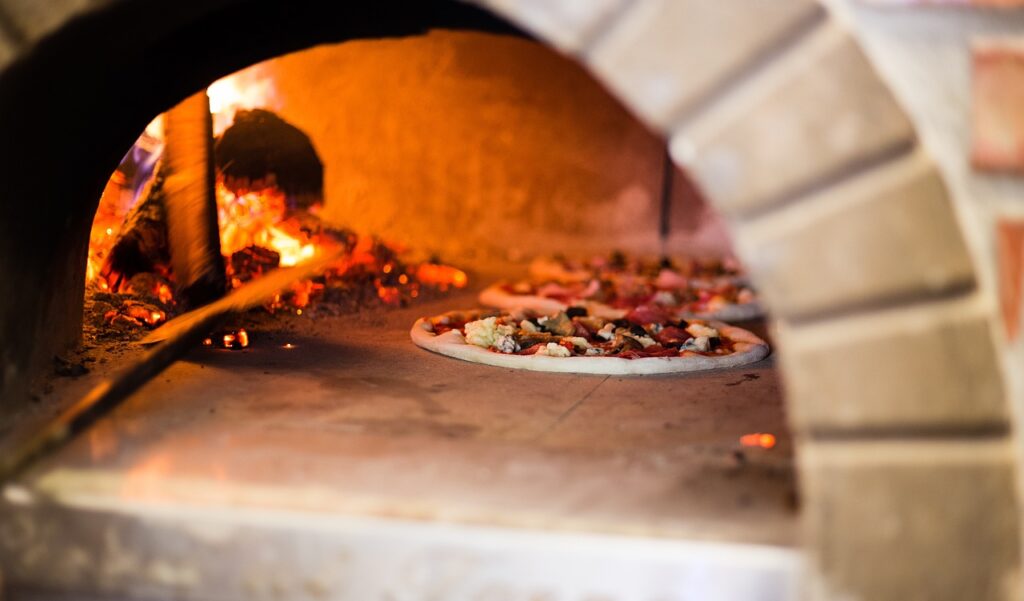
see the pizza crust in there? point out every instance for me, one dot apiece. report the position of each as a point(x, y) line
point(750, 348)
point(549, 270)
point(545, 269)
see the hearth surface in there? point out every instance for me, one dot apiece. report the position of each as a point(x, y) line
point(356, 420)
point(243, 471)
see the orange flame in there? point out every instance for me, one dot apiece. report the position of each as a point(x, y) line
point(763, 440)
point(441, 275)
point(247, 89)
point(258, 218)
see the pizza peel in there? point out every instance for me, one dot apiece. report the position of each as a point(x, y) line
point(171, 341)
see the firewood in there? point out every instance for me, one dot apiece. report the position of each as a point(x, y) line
point(261, 149)
point(141, 246)
point(190, 202)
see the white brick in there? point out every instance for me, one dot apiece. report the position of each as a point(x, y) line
point(663, 56)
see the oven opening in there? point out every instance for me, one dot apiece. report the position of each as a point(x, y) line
point(438, 166)
point(433, 167)
point(427, 300)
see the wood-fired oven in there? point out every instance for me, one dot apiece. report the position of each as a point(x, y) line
point(156, 156)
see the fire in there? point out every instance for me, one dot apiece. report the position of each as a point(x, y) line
point(260, 230)
point(258, 218)
point(238, 339)
point(763, 440)
point(441, 275)
point(246, 89)
point(230, 339)
point(107, 223)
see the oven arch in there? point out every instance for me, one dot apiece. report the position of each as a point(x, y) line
point(842, 217)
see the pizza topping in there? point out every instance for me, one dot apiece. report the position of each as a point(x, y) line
point(558, 324)
point(700, 343)
point(553, 349)
point(647, 314)
point(644, 340)
point(664, 297)
point(579, 342)
point(668, 278)
point(590, 324)
point(560, 335)
point(576, 312)
point(628, 343)
point(506, 344)
point(528, 339)
point(697, 329)
point(696, 287)
point(672, 336)
point(489, 333)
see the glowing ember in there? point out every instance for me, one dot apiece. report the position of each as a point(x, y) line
point(232, 339)
point(763, 440)
point(163, 292)
point(441, 275)
point(257, 218)
point(389, 294)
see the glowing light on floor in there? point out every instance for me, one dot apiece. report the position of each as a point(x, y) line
point(764, 440)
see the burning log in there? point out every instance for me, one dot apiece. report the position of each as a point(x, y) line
point(261, 150)
point(190, 203)
point(141, 247)
point(253, 261)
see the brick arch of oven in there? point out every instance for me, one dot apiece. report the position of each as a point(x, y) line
point(891, 374)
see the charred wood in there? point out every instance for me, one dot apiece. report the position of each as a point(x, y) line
point(190, 202)
point(142, 245)
point(261, 150)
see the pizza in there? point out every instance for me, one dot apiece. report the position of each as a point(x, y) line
point(612, 295)
point(707, 269)
point(646, 340)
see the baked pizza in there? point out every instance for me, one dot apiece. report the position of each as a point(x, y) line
point(646, 340)
point(612, 295)
point(563, 270)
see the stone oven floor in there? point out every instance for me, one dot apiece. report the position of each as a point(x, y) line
point(355, 422)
